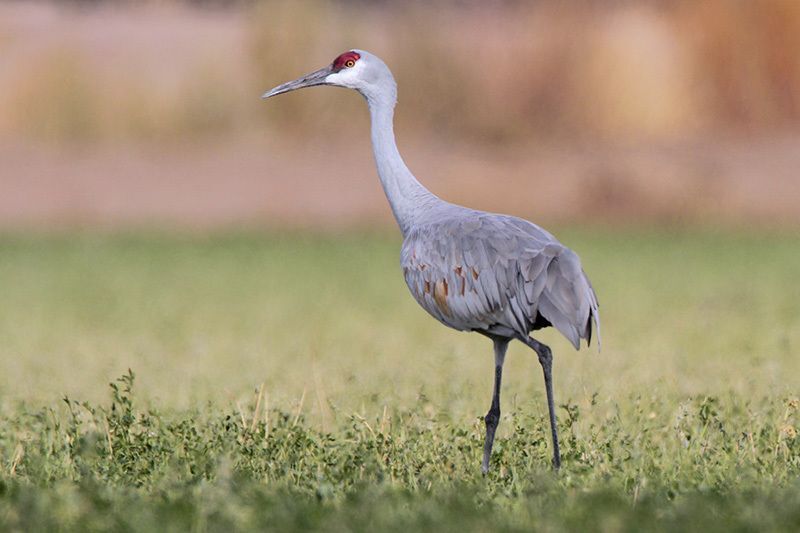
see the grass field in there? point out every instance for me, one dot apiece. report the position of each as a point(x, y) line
point(286, 382)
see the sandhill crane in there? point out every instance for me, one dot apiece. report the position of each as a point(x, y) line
point(498, 275)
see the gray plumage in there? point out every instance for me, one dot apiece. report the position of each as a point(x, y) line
point(494, 274)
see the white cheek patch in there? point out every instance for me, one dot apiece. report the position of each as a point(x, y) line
point(347, 77)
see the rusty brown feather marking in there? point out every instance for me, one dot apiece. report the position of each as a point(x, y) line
point(459, 273)
point(427, 287)
point(440, 291)
point(474, 273)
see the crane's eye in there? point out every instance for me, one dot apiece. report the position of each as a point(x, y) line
point(345, 60)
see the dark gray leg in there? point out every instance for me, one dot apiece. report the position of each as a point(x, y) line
point(493, 416)
point(546, 360)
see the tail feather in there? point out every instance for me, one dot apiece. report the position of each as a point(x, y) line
point(568, 300)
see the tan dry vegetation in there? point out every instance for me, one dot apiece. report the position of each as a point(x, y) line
point(119, 75)
point(149, 112)
point(631, 71)
point(627, 71)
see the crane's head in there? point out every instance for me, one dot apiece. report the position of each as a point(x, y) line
point(354, 69)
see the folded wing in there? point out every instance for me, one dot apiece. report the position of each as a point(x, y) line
point(500, 275)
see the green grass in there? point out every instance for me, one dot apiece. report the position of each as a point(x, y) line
point(289, 382)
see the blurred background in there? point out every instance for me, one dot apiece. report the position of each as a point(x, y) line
point(156, 214)
point(147, 114)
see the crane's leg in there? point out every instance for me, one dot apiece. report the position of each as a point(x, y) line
point(546, 360)
point(493, 416)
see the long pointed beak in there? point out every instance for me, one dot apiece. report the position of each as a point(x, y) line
point(309, 80)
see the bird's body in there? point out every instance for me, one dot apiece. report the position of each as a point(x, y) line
point(494, 274)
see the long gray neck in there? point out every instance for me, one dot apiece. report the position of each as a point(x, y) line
point(407, 197)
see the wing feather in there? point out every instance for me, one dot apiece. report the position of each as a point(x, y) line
point(485, 271)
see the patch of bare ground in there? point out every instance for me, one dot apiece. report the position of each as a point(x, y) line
point(328, 184)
